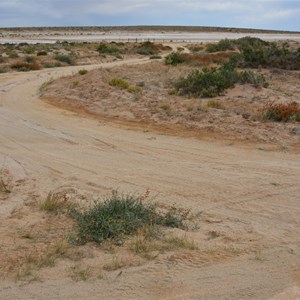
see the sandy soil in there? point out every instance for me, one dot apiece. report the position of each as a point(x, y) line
point(248, 238)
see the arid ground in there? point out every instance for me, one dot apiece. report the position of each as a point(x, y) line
point(238, 175)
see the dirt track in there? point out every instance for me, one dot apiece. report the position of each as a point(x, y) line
point(250, 196)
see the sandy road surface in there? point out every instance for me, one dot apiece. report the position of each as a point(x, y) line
point(250, 196)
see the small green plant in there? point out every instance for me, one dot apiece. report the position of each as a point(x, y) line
point(121, 215)
point(82, 72)
point(75, 83)
point(282, 112)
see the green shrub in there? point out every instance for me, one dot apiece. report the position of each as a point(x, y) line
point(3, 70)
point(119, 83)
point(120, 215)
point(64, 58)
point(82, 72)
point(174, 58)
point(282, 112)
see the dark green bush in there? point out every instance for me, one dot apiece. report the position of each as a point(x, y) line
point(120, 215)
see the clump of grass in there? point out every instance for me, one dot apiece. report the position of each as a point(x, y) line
point(214, 104)
point(133, 89)
point(4, 187)
point(119, 83)
point(65, 59)
point(121, 215)
point(282, 112)
point(75, 83)
point(82, 72)
point(55, 203)
point(123, 84)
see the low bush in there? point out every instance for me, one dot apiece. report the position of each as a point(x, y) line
point(65, 59)
point(123, 84)
point(120, 215)
point(282, 112)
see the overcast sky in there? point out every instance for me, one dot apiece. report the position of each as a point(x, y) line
point(267, 14)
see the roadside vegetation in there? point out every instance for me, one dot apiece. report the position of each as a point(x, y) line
point(24, 57)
